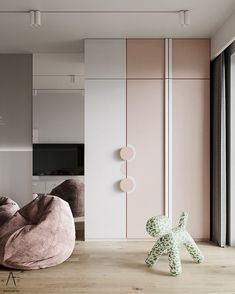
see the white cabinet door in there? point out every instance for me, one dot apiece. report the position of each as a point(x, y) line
point(105, 134)
point(105, 58)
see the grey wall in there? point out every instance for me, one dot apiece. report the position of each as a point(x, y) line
point(16, 127)
point(15, 100)
point(16, 175)
point(59, 117)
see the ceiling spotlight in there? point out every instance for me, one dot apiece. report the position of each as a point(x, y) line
point(31, 14)
point(184, 17)
point(181, 17)
point(35, 18)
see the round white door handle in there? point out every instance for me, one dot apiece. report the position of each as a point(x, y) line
point(127, 153)
point(127, 185)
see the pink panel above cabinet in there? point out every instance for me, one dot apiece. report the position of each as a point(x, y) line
point(191, 58)
point(145, 58)
point(145, 131)
point(191, 154)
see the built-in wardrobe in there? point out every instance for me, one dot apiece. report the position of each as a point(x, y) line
point(151, 95)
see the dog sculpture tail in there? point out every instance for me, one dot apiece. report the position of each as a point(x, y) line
point(183, 220)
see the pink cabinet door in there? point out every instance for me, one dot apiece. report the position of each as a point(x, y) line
point(145, 131)
point(191, 58)
point(145, 58)
point(191, 154)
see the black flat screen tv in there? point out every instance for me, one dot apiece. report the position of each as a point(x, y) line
point(58, 159)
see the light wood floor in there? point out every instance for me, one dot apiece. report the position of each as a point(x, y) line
point(118, 267)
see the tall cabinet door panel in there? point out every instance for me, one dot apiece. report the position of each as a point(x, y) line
point(145, 58)
point(145, 131)
point(105, 134)
point(191, 58)
point(191, 154)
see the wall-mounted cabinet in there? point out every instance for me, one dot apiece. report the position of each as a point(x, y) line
point(58, 71)
point(58, 64)
point(162, 109)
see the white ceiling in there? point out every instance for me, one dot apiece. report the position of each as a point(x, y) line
point(65, 32)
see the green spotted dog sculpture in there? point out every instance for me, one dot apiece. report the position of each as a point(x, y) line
point(170, 241)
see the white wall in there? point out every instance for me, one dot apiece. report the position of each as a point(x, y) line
point(223, 37)
point(232, 206)
point(59, 118)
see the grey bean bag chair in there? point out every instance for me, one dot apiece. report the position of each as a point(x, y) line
point(72, 191)
point(39, 235)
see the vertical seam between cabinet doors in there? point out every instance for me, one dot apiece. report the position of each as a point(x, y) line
point(168, 128)
point(170, 132)
point(166, 190)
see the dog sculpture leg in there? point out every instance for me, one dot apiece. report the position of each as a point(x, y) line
point(174, 261)
point(157, 250)
point(193, 250)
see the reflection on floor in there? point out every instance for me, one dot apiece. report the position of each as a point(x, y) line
point(118, 267)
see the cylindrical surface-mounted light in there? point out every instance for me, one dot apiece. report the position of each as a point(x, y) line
point(181, 17)
point(37, 18)
point(186, 17)
point(31, 15)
